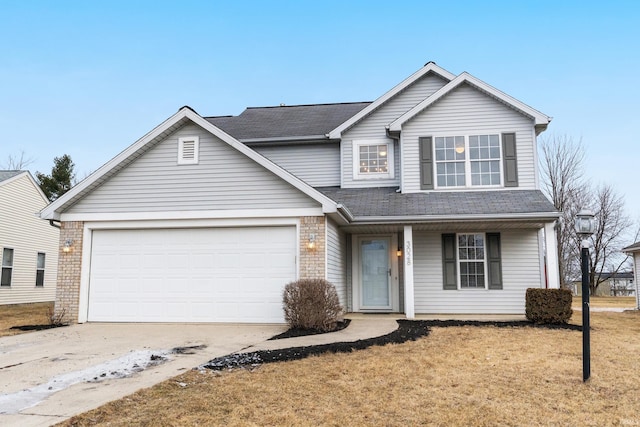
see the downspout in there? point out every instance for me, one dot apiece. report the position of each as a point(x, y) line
point(52, 222)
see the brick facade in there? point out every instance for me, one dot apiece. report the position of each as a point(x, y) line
point(312, 261)
point(69, 268)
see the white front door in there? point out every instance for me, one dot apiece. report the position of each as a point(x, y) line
point(375, 273)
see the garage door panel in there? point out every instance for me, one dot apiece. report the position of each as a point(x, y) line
point(191, 275)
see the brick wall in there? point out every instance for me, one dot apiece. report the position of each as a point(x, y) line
point(312, 261)
point(69, 268)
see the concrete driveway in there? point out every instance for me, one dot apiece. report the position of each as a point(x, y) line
point(46, 361)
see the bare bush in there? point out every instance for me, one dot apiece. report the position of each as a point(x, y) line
point(56, 319)
point(312, 304)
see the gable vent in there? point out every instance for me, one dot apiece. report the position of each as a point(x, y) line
point(188, 150)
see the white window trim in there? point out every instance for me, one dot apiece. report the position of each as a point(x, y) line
point(484, 261)
point(41, 268)
point(13, 261)
point(390, 174)
point(467, 161)
point(196, 148)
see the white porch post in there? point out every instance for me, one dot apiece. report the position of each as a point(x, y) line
point(409, 304)
point(553, 273)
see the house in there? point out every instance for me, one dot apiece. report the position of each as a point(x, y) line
point(425, 200)
point(28, 245)
point(613, 284)
point(634, 252)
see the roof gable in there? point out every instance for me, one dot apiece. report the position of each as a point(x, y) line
point(6, 177)
point(430, 67)
point(540, 120)
point(134, 151)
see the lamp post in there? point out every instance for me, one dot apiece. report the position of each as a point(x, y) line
point(585, 227)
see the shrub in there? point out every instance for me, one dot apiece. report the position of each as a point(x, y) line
point(312, 304)
point(548, 305)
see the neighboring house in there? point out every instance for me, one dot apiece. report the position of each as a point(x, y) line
point(634, 252)
point(618, 284)
point(426, 200)
point(28, 245)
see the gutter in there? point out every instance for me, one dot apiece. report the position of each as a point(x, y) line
point(288, 140)
point(448, 218)
point(52, 222)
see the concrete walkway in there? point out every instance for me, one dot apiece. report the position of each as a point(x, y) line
point(49, 376)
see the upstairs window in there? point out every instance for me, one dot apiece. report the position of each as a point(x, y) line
point(40, 269)
point(7, 267)
point(373, 159)
point(468, 161)
point(188, 150)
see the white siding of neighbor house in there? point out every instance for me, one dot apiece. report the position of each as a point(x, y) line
point(26, 234)
point(374, 126)
point(318, 164)
point(336, 260)
point(463, 111)
point(520, 270)
point(223, 179)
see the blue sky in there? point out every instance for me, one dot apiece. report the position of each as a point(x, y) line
point(88, 78)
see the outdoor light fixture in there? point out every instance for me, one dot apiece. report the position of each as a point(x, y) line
point(68, 244)
point(312, 242)
point(585, 227)
point(399, 251)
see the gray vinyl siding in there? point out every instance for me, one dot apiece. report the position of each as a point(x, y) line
point(318, 165)
point(466, 110)
point(336, 260)
point(26, 234)
point(520, 270)
point(374, 127)
point(223, 179)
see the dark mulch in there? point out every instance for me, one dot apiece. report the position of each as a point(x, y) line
point(301, 332)
point(499, 324)
point(408, 330)
point(36, 327)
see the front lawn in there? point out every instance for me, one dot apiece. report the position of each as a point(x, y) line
point(606, 302)
point(23, 315)
point(478, 376)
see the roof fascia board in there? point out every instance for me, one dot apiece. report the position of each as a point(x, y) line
point(50, 212)
point(289, 139)
point(429, 67)
point(550, 216)
point(540, 119)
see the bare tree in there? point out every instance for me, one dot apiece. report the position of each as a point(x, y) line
point(15, 163)
point(612, 233)
point(563, 182)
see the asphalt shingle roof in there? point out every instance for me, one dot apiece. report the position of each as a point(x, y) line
point(8, 174)
point(287, 121)
point(374, 202)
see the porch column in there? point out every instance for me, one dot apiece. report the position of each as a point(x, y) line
point(553, 273)
point(409, 304)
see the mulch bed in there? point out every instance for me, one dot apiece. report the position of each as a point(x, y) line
point(36, 327)
point(408, 330)
point(300, 332)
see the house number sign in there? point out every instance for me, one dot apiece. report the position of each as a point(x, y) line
point(408, 252)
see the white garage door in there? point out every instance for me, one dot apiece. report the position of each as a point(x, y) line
point(191, 275)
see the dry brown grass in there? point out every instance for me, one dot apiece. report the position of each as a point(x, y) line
point(455, 376)
point(23, 314)
point(601, 302)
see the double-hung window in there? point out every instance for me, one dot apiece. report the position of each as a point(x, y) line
point(7, 267)
point(40, 269)
point(471, 261)
point(373, 159)
point(468, 160)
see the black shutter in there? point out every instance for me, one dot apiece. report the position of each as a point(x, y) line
point(494, 260)
point(449, 270)
point(426, 163)
point(510, 159)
